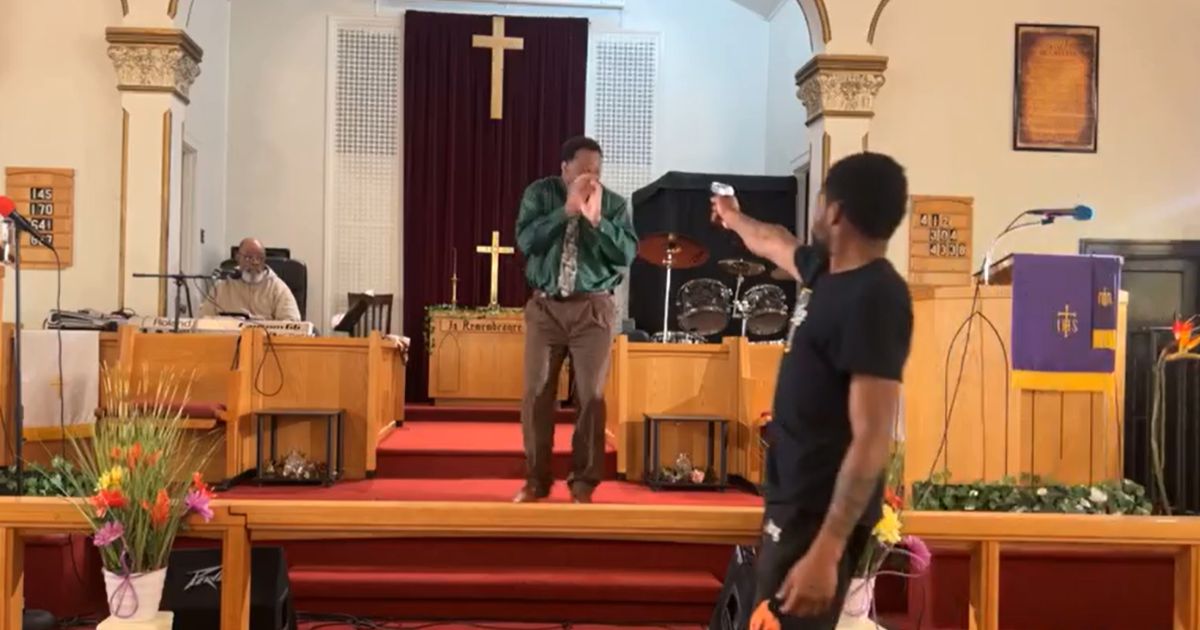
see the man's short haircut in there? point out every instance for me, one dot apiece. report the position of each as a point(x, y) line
point(872, 190)
point(579, 143)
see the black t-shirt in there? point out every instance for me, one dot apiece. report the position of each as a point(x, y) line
point(858, 322)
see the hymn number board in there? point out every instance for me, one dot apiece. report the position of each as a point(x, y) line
point(939, 241)
point(45, 196)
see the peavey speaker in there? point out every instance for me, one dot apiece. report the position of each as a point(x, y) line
point(736, 603)
point(193, 590)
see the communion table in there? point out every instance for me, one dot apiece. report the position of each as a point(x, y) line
point(476, 356)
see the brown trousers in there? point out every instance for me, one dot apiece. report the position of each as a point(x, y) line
point(581, 325)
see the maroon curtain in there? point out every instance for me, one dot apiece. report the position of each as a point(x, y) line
point(464, 172)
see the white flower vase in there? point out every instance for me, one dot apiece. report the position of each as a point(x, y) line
point(860, 598)
point(135, 598)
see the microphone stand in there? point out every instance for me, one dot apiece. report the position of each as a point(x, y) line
point(180, 280)
point(986, 270)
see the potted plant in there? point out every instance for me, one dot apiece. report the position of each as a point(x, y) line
point(140, 475)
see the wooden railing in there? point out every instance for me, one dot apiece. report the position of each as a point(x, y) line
point(237, 521)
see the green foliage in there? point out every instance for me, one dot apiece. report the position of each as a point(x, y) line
point(1031, 494)
point(461, 312)
point(60, 479)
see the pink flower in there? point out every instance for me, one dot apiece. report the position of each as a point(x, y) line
point(109, 533)
point(197, 501)
point(918, 552)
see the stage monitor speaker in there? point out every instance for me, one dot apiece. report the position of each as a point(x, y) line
point(193, 590)
point(736, 602)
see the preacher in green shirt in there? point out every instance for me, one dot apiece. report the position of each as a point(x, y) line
point(576, 236)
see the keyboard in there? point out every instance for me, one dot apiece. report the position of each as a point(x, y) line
point(228, 325)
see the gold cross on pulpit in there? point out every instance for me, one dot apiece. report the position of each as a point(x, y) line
point(495, 250)
point(498, 43)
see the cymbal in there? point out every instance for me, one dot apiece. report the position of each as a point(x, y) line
point(686, 253)
point(741, 267)
point(779, 273)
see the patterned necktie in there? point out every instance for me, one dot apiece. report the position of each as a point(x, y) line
point(570, 258)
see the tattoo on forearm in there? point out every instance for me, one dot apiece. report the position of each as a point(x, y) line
point(851, 494)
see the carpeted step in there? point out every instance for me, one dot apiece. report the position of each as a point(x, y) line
point(519, 593)
point(440, 413)
point(469, 450)
point(402, 554)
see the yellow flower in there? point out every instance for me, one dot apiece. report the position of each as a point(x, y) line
point(111, 479)
point(887, 530)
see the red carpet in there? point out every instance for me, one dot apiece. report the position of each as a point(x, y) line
point(469, 450)
point(485, 490)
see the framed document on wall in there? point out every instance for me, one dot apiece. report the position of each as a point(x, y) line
point(1056, 92)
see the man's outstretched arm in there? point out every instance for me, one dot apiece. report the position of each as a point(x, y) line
point(771, 241)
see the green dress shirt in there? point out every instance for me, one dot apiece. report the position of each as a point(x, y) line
point(603, 250)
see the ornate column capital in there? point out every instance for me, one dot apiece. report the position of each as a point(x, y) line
point(840, 85)
point(154, 60)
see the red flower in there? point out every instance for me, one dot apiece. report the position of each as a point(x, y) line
point(115, 454)
point(106, 500)
point(152, 459)
point(160, 512)
point(135, 454)
point(891, 498)
point(199, 486)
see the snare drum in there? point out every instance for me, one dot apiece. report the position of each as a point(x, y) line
point(766, 309)
point(704, 306)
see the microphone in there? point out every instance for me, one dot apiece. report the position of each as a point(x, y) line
point(8, 210)
point(1079, 213)
point(227, 274)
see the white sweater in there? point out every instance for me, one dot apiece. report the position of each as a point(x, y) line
point(269, 298)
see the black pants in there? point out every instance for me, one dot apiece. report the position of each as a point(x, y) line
point(787, 535)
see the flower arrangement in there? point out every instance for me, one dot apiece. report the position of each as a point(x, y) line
point(1030, 493)
point(890, 551)
point(139, 474)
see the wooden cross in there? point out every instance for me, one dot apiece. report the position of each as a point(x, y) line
point(498, 43)
point(495, 250)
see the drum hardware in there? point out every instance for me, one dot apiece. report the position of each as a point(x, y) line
point(676, 336)
point(741, 267)
point(671, 251)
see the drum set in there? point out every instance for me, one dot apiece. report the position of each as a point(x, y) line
point(705, 306)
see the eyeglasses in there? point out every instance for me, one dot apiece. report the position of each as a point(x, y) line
point(251, 259)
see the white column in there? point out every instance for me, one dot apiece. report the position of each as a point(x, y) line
point(156, 65)
point(838, 92)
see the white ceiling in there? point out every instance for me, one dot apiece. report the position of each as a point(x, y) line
point(762, 7)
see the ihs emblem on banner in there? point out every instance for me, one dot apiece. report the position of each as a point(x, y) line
point(1104, 298)
point(1067, 322)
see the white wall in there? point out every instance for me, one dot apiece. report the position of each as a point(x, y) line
point(277, 127)
point(946, 114)
point(712, 110)
point(62, 109)
point(712, 79)
point(789, 48)
point(206, 127)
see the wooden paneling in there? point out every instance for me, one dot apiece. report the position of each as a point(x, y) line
point(479, 359)
point(995, 430)
point(356, 375)
point(673, 379)
point(758, 372)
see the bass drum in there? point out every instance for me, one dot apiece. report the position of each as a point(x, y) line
point(766, 310)
point(704, 306)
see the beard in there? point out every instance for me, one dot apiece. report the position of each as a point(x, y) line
point(254, 277)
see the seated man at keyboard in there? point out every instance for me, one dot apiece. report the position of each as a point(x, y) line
point(259, 293)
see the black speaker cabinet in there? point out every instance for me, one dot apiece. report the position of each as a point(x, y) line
point(736, 602)
point(193, 590)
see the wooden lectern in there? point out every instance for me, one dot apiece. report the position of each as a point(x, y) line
point(995, 429)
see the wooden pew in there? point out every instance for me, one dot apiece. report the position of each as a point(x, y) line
point(210, 363)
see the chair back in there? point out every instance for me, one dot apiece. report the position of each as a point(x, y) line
point(378, 315)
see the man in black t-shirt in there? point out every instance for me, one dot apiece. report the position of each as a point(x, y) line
point(838, 391)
